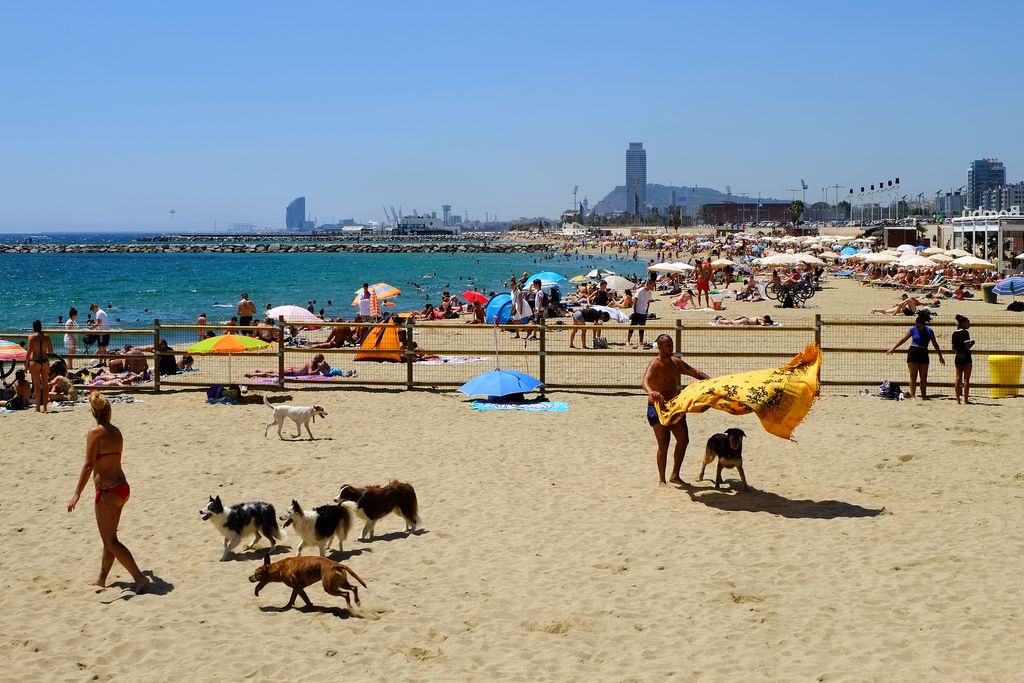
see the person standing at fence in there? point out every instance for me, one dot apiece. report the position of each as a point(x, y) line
point(103, 326)
point(201, 323)
point(246, 309)
point(37, 361)
point(364, 302)
point(70, 338)
point(641, 307)
point(920, 335)
point(661, 382)
point(962, 345)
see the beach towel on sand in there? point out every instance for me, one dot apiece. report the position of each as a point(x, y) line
point(780, 398)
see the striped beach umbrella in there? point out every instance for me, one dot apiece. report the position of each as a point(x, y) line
point(382, 289)
point(11, 351)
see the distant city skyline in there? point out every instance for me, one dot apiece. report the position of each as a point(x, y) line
point(118, 113)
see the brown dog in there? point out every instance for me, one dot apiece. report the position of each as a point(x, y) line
point(728, 448)
point(299, 572)
point(374, 502)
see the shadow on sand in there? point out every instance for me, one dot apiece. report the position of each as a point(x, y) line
point(395, 535)
point(772, 503)
point(340, 612)
point(157, 586)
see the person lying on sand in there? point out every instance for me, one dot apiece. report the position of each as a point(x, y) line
point(907, 305)
point(765, 321)
point(317, 366)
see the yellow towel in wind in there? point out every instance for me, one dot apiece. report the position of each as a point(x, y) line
point(780, 397)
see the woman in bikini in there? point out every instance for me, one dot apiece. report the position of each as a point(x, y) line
point(37, 360)
point(103, 447)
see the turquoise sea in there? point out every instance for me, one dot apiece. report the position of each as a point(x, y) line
point(135, 288)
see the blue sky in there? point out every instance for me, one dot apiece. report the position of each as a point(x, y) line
point(114, 113)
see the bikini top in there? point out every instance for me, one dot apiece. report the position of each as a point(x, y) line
point(920, 337)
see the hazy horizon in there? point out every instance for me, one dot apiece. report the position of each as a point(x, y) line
point(118, 113)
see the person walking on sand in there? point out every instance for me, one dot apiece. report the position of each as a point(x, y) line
point(641, 307)
point(102, 325)
point(661, 382)
point(37, 361)
point(962, 345)
point(920, 335)
point(103, 448)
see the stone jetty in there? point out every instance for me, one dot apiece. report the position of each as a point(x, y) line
point(275, 248)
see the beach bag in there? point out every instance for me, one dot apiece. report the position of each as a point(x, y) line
point(1016, 306)
point(890, 391)
point(600, 343)
point(215, 393)
point(789, 302)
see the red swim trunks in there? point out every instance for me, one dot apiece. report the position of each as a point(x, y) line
point(703, 286)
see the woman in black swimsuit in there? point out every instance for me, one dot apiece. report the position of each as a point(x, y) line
point(962, 345)
point(37, 360)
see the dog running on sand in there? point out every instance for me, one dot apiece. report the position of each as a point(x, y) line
point(299, 572)
point(728, 448)
point(241, 520)
point(300, 415)
point(320, 525)
point(374, 502)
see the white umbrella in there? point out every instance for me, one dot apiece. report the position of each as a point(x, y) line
point(880, 258)
point(917, 262)
point(619, 283)
point(722, 263)
point(781, 260)
point(931, 251)
point(810, 260)
point(670, 268)
point(957, 253)
point(598, 273)
point(293, 314)
point(830, 255)
point(616, 313)
point(1019, 257)
point(906, 247)
point(944, 258)
point(972, 263)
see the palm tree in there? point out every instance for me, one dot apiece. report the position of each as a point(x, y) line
point(795, 210)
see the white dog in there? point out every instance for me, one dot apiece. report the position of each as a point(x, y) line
point(300, 415)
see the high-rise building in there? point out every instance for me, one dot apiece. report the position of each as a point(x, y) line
point(983, 175)
point(1001, 198)
point(295, 214)
point(636, 178)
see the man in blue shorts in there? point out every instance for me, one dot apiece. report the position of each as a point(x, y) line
point(661, 382)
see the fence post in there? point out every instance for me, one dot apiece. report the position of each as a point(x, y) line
point(543, 353)
point(410, 354)
point(679, 335)
point(156, 354)
point(280, 352)
point(817, 341)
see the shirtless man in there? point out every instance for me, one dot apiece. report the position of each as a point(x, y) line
point(246, 309)
point(661, 382)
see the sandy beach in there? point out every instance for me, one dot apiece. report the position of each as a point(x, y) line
point(881, 546)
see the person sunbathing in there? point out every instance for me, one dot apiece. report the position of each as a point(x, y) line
point(907, 305)
point(62, 389)
point(764, 321)
point(317, 366)
point(339, 336)
point(111, 379)
point(684, 299)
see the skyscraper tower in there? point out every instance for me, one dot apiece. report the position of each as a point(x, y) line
point(983, 175)
point(295, 214)
point(636, 178)
point(446, 214)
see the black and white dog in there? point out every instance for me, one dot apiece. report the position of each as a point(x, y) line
point(728, 448)
point(320, 525)
point(241, 520)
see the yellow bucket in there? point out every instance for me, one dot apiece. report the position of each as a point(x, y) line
point(1004, 370)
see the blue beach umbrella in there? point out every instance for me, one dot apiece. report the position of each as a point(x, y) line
point(547, 278)
point(500, 383)
point(499, 310)
point(848, 251)
point(1011, 285)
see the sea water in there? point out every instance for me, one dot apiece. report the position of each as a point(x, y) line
point(136, 288)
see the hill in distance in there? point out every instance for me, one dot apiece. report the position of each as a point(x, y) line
point(661, 196)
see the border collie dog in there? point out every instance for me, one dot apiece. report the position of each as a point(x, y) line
point(374, 502)
point(241, 520)
point(320, 525)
